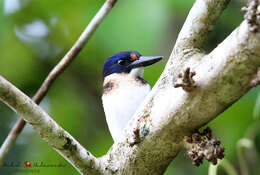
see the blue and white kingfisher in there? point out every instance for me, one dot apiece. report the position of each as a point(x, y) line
point(123, 88)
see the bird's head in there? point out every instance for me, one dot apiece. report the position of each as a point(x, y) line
point(127, 62)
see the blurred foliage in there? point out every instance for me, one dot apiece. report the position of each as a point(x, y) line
point(36, 34)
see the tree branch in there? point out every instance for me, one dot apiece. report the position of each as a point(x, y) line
point(200, 21)
point(168, 114)
point(56, 71)
point(48, 129)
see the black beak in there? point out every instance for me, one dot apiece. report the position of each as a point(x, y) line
point(145, 61)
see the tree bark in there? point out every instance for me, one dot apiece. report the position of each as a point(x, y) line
point(168, 113)
point(54, 74)
point(176, 106)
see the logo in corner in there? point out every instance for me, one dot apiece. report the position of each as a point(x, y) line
point(27, 164)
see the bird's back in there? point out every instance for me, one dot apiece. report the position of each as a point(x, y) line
point(122, 94)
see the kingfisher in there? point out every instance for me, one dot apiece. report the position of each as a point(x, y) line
point(124, 88)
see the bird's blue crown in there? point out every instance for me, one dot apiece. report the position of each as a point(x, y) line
point(119, 62)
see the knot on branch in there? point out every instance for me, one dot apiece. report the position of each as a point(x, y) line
point(112, 168)
point(136, 137)
point(202, 146)
point(139, 134)
point(252, 15)
point(187, 83)
point(256, 80)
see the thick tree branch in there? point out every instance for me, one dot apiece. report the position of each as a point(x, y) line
point(56, 71)
point(48, 129)
point(168, 113)
point(200, 21)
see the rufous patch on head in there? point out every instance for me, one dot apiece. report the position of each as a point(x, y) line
point(133, 57)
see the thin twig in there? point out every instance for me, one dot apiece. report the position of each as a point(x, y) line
point(241, 144)
point(56, 71)
point(227, 166)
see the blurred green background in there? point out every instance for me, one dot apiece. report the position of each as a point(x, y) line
point(35, 34)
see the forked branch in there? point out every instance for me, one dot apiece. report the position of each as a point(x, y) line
point(56, 71)
point(168, 114)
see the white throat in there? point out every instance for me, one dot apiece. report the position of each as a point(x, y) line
point(137, 72)
point(123, 93)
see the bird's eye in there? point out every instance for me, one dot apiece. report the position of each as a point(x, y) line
point(123, 62)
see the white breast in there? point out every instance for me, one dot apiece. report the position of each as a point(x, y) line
point(122, 100)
